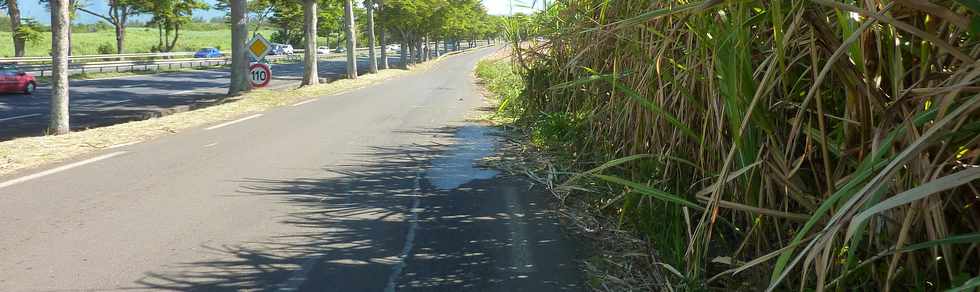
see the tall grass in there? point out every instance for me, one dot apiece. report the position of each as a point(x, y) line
point(782, 144)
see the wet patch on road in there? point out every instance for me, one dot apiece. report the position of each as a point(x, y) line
point(459, 165)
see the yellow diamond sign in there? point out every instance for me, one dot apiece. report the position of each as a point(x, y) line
point(258, 47)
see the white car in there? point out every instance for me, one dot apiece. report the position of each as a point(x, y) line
point(322, 50)
point(394, 48)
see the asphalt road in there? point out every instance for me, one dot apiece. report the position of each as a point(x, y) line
point(102, 102)
point(376, 189)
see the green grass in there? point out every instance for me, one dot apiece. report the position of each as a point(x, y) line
point(138, 40)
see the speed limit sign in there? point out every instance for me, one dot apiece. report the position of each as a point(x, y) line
point(260, 75)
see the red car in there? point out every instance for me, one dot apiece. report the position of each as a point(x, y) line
point(13, 80)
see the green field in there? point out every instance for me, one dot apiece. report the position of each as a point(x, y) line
point(138, 40)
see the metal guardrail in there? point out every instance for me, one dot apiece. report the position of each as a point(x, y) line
point(82, 64)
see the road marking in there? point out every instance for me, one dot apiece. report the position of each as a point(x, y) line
point(123, 145)
point(59, 169)
point(232, 122)
point(118, 102)
point(185, 91)
point(413, 219)
point(211, 145)
point(305, 102)
point(18, 117)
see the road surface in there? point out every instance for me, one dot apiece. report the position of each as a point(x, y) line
point(377, 189)
point(102, 102)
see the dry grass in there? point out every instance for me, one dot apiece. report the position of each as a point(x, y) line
point(24, 153)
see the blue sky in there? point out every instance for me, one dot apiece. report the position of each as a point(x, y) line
point(33, 8)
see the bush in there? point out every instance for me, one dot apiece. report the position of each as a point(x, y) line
point(106, 49)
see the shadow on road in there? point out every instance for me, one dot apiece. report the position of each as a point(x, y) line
point(485, 235)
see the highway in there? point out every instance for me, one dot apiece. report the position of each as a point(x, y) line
point(376, 189)
point(102, 102)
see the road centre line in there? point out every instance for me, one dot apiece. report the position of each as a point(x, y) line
point(305, 102)
point(232, 122)
point(118, 102)
point(18, 117)
point(59, 169)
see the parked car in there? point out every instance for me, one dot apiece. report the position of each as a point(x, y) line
point(208, 53)
point(394, 48)
point(282, 49)
point(322, 50)
point(13, 80)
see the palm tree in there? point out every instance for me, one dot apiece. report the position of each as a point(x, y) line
point(310, 76)
point(59, 67)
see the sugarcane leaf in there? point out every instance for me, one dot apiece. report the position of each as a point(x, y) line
point(650, 191)
point(935, 186)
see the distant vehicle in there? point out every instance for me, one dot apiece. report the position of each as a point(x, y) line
point(340, 50)
point(323, 50)
point(208, 53)
point(394, 48)
point(282, 49)
point(13, 80)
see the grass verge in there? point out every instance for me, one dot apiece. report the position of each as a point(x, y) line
point(25, 153)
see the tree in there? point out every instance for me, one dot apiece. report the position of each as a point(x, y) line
point(381, 37)
point(59, 67)
point(13, 10)
point(310, 75)
point(239, 36)
point(373, 60)
point(118, 15)
point(169, 16)
point(351, 39)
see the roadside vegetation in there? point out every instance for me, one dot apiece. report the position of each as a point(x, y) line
point(138, 40)
point(780, 145)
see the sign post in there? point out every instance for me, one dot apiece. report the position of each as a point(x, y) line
point(259, 73)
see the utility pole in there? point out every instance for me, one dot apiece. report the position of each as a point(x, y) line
point(239, 60)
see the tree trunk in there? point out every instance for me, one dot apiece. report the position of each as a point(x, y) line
point(372, 43)
point(403, 54)
point(59, 67)
point(173, 43)
point(310, 58)
point(14, 13)
point(239, 59)
point(351, 39)
point(381, 37)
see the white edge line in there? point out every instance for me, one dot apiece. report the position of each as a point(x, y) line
point(184, 92)
point(123, 145)
point(59, 169)
point(232, 122)
point(305, 102)
point(413, 219)
point(18, 117)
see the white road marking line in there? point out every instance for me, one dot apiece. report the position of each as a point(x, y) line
point(118, 102)
point(59, 169)
point(210, 145)
point(185, 91)
point(18, 117)
point(413, 219)
point(305, 102)
point(232, 122)
point(123, 145)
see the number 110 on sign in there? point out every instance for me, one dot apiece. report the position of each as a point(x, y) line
point(260, 75)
